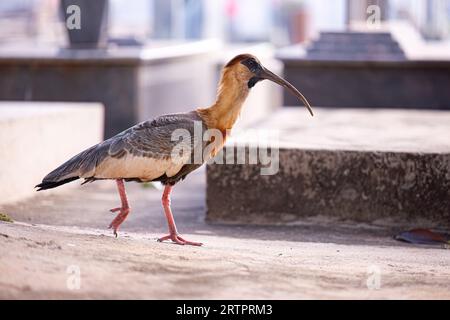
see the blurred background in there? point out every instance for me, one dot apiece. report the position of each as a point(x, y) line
point(280, 22)
point(139, 59)
point(129, 55)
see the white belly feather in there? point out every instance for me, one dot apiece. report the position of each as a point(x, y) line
point(130, 166)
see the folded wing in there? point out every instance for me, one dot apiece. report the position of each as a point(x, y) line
point(145, 152)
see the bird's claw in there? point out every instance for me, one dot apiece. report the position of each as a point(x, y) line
point(114, 230)
point(118, 219)
point(179, 240)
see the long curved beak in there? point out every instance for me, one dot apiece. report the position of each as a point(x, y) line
point(269, 75)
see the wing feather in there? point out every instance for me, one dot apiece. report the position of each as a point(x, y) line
point(145, 151)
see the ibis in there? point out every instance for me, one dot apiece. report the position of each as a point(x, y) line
point(144, 152)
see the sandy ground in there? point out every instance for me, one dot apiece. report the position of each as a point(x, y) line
point(59, 247)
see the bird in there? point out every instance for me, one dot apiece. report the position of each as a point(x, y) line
point(145, 152)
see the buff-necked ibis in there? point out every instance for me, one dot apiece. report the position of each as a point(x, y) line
point(144, 152)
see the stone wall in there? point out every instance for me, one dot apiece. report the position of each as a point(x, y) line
point(35, 138)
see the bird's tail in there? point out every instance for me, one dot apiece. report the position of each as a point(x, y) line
point(53, 184)
point(83, 164)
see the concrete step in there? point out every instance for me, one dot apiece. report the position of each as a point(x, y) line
point(36, 137)
point(355, 36)
point(355, 46)
point(385, 84)
point(356, 164)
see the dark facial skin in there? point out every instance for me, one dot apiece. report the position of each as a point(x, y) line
point(261, 73)
point(255, 68)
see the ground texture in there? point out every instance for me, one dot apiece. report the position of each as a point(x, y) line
point(59, 247)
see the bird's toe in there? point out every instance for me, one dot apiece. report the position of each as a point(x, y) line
point(191, 243)
point(179, 240)
point(115, 224)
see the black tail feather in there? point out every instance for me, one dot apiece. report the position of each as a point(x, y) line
point(53, 184)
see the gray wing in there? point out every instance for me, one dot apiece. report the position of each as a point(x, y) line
point(143, 152)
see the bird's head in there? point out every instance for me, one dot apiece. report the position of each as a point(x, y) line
point(251, 71)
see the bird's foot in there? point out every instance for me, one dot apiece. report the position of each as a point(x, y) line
point(115, 224)
point(179, 240)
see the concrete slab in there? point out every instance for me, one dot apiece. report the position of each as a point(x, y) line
point(419, 82)
point(134, 83)
point(354, 164)
point(37, 137)
point(378, 130)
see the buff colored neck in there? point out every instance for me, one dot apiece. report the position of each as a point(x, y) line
point(231, 94)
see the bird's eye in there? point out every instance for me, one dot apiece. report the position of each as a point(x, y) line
point(252, 65)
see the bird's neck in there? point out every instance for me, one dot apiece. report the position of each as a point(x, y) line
point(231, 94)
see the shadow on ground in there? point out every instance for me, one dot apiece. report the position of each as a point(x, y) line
point(88, 206)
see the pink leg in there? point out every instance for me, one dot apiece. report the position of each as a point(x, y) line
point(124, 209)
point(173, 233)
